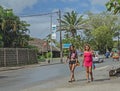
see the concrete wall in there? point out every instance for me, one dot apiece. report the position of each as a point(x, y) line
point(17, 56)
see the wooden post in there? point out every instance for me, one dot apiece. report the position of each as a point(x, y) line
point(17, 56)
point(4, 57)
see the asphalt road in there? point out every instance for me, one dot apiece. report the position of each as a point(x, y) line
point(44, 76)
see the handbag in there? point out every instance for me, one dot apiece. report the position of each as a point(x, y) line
point(77, 63)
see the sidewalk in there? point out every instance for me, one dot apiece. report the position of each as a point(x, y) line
point(102, 82)
point(54, 61)
point(102, 87)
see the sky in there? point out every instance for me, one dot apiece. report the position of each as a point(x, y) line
point(41, 25)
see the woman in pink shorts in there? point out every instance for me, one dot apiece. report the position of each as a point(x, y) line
point(87, 62)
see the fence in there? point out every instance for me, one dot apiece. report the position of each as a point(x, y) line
point(17, 56)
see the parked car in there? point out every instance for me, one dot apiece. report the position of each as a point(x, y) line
point(98, 59)
point(80, 53)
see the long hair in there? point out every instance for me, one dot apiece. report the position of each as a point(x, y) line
point(73, 50)
point(88, 46)
point(72, 47)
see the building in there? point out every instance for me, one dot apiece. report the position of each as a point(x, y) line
point(44, 47)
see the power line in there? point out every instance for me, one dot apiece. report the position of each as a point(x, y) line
point(39, 14)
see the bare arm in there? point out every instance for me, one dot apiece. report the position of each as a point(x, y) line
point(83, 60)
point(76, 57)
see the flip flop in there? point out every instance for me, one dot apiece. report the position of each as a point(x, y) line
point(70, 81)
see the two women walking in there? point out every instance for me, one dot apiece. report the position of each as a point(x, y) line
point(87, 62)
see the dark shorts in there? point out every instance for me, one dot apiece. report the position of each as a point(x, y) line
point(72, 62)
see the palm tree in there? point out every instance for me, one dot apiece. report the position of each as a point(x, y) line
point(71, 22)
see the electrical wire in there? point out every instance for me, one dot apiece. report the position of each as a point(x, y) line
point(38, 14)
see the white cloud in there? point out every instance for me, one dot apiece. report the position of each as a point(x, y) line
point(68, 9)
point(18, 5)
point(67, 0)
point(55, 10)
point(98, 2)
point(95, 10)
point(95, 3)
point(84, 4)
point(40, 26)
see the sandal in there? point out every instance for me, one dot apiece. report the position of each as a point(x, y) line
point(91, 79)
point(70, 81)
point(88, 81)
point(73, 80)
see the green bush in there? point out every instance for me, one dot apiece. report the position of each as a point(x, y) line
point(41, 58)
point(48, 55)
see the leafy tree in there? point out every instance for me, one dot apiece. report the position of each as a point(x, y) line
point(1, 43)
point(103, 38)
point(12, 30)
point(77, 42)
point(114, 6)
point(97, 22)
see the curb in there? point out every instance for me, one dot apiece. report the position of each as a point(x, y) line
point(26, 66)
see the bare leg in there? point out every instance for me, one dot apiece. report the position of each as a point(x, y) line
point(73, 68)
point(70, 67)
point(87, 73)
point(91, 74)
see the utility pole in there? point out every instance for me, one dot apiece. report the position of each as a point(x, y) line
point(118, 40)
point(61, 51)
point(51, 36)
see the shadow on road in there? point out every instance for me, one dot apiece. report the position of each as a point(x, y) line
point(81, 80)
point(105, 79)
point(1, 77)
point(96, 80)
